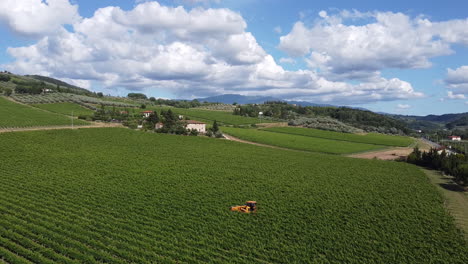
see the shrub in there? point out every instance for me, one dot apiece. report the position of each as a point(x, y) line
point(133, 124)
point(7, 91)
point(218, 134)
point(324, 123)
point(4, 78)
point(193, 132)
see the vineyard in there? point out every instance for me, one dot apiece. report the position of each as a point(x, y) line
point(209, 116)
point(147, 204)
point(299, 142)
point(65, 109)
point(16, 115)
point(218, 107)
point(370, 138)
point(50, 98)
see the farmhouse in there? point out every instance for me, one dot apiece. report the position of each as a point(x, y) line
point(455, 138)
point(146, 113)
point(192, 124)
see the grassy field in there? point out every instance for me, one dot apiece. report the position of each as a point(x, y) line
point(299, 142)
point(65, 109)
point(17, 115)
point(371, 138)
point(165, 199)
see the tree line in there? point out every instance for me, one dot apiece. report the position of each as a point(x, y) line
point(362, 119)
point(452, 164)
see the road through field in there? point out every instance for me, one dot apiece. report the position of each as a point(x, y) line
point(393, 153)
point(229, 137)
point(95, 125)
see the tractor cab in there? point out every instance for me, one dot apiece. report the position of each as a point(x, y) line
point(252, 205)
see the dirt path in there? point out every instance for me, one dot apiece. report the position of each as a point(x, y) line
point(268, 125)
point(456, 199)
point(94, 125)
point(391, 153)
point(229, 137)
point(387, 154)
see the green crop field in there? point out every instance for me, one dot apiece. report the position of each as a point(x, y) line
point(299, 142)
point(65, 109)
point(87, 195)
point(209, 116)
point(17, 115)
point(371, 138)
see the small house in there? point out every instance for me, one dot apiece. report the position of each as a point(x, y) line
point(455, 138)
point(158, 125)
point(448, 152)
point(198, 126)
point(147, 113)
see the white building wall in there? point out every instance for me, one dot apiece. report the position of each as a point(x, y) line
point(201, 128)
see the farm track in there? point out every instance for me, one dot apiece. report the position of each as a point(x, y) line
point(456, 198)
point(391, 153)
point(268, 125)
point(386, 154)
point(95, 125)
point(231, 138)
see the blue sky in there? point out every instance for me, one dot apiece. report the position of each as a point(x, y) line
point(405, 57)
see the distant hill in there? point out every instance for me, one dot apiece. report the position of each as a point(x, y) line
point(433, 122)
point(242, 99)
point(237, 98)
point(447, 118)
point(54, 81)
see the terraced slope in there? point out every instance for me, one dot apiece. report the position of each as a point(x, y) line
point(87, 195)
point(18, 115)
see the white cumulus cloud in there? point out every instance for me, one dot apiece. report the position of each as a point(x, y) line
point(381, 40)
point(190, 53)
point(451, 95)
point(287, 60)
point(457, 81)
point(37, 17)
point(403, 106)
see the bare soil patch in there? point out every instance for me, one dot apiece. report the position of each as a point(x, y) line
point(392, 153)
point(388, 154)
point(268, 125)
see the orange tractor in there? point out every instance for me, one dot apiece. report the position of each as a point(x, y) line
point(248, 207)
